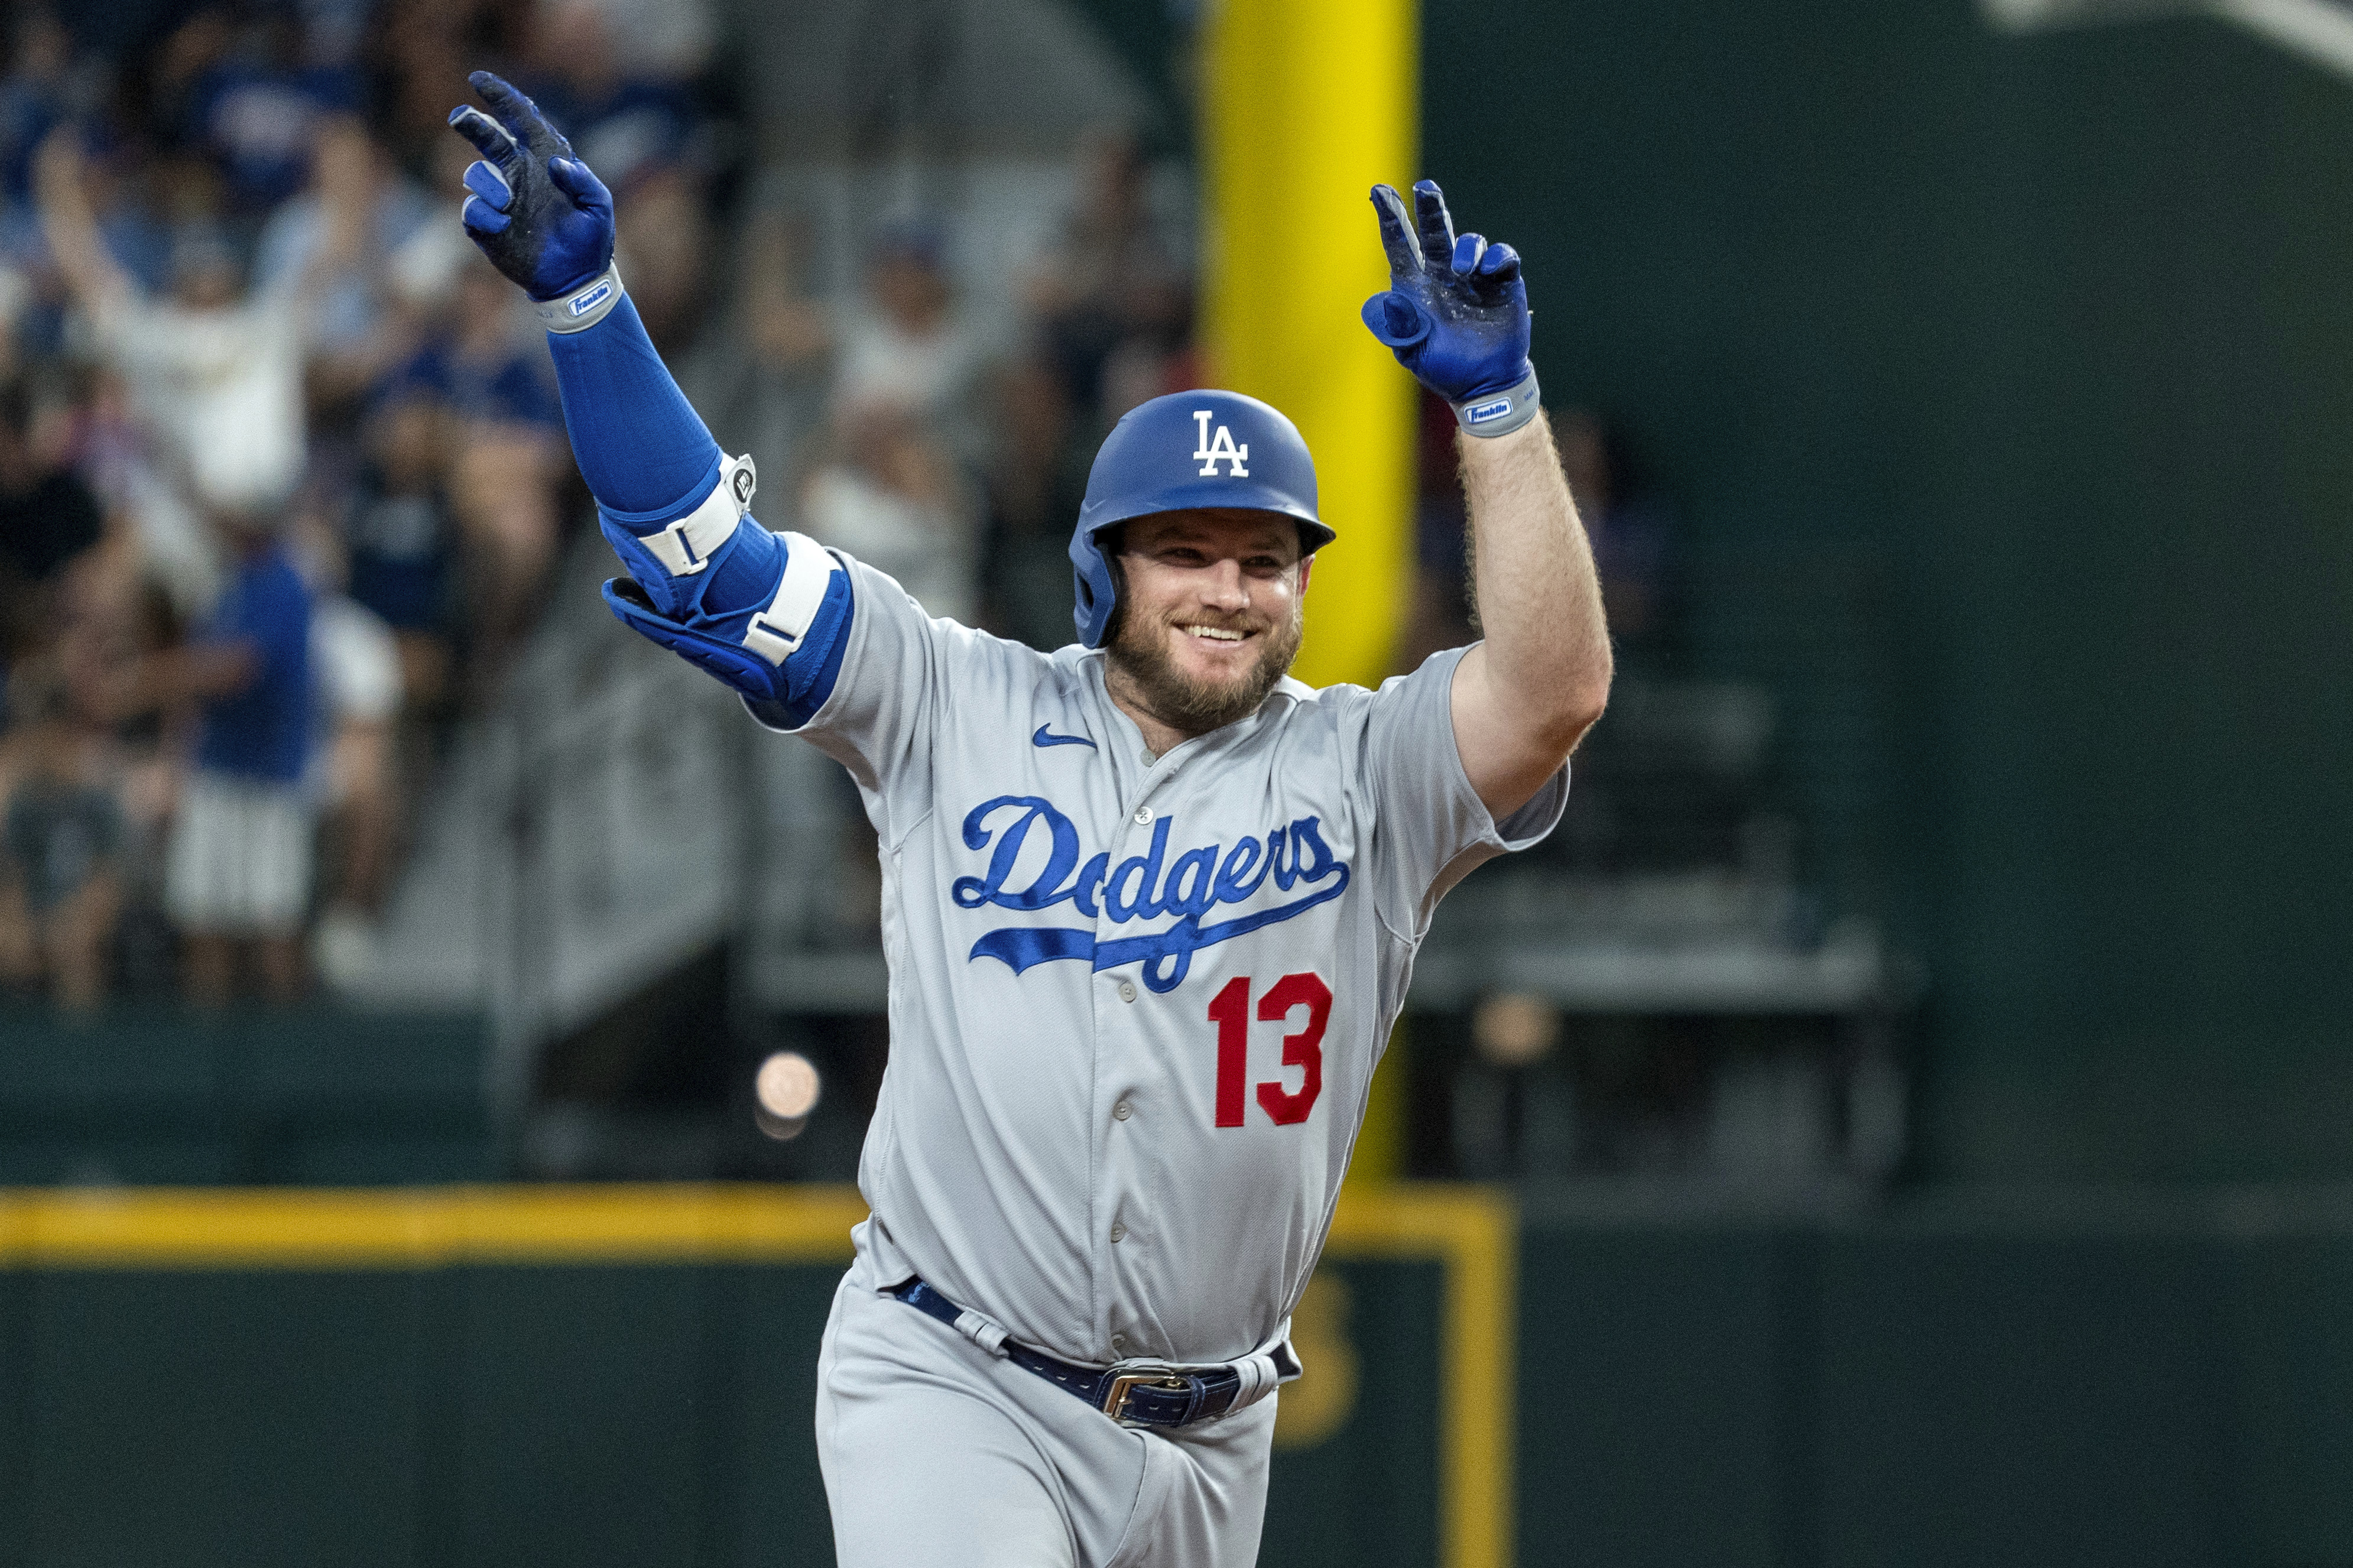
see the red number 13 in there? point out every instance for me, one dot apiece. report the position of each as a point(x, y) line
point(1231, 1012)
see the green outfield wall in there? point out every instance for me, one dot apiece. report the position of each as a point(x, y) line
point(157, 1096)
point(2004, 384)
point(626, 1376)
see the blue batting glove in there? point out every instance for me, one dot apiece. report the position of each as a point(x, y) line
point(537, 211)
point(1456, 312)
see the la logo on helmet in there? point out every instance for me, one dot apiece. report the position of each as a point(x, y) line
point(1223, 449)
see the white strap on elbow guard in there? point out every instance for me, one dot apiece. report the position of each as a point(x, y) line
point(776, 633)
point(686, 545)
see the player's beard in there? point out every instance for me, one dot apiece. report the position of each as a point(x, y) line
point(1139, 652)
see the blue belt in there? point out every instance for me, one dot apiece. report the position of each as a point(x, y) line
point(1145, 1394)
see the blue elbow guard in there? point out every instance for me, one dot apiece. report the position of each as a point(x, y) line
point(785, 657)
point(706, 558)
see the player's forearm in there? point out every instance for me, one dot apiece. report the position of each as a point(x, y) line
point(661, 481)
point(765, 613)
point(640, 445)
point(546, 221)
point(1547, 655)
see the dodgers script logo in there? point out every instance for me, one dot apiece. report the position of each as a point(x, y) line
point(1196, 883)
point(1211, 453)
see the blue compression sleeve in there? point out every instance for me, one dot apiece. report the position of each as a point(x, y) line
point(650, 460)
point(640, 445)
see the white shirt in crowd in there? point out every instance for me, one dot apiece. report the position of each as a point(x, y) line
point(223, 387)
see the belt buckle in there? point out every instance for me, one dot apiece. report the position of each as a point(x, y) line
point(1123, 1384)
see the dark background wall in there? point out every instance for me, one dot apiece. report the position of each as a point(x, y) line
point(2006, 388)
point(635, 1416)
point(2163, 1387)
point(1969, 1383)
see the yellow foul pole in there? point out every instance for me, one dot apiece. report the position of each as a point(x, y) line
point(1305, 104)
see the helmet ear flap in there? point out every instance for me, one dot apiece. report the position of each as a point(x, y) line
point(1118, 568)
point(1095, 583)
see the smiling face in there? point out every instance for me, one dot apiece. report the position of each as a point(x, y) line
point(1210, 611)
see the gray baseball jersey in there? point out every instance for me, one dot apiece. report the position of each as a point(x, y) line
point(1135, 1001)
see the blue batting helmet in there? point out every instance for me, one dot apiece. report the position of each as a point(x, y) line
point(1188, 449)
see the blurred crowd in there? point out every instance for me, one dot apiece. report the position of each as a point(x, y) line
point(284, 480)
point(283, 476)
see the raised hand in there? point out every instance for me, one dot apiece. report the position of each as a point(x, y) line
point(1455, 312)
point(542, 217)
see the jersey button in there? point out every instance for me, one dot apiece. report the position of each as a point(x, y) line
point(1144, 816)
point(1127, 990)
point(1119, 1342)
point(1118, 1232)
point(1122, 1111)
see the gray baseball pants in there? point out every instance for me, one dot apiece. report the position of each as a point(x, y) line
point(936, 1452)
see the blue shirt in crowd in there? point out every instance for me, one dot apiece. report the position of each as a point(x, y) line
point(515, 388)
point(264, 731)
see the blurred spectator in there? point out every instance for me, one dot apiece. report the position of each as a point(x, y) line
point(663, 40)
point(493, 376)
point(42, 89)
point(217, 372)
point(420, 274)
point(137, 206)
point(612, 69)
point(416, 56)
point(905, 345)
point(352, 332)
point(487, 360)
point(789, 329)
point(663, 244)
point(135, 483)
point(357, 667)
point(239, 862)
point(112, 616)
point(397, 533)
point(1632, 531)
point(229, 303)
point(60, 890)
point(247, 95)
point(760, 369)
point(48, 517)
point(888, 495)
point(1036, 480)
point(1118, 275)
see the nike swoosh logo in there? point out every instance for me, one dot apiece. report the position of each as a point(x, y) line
point(1045, 738)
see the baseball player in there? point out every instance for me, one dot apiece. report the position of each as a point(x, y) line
point(1150, 905)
